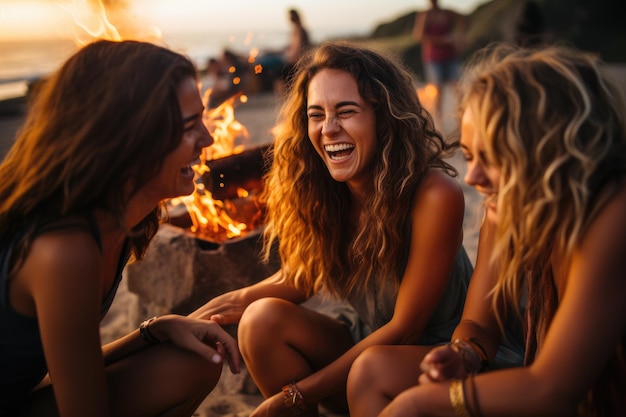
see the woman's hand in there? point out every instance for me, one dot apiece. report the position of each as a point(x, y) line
point(442, 364)
point(225, 309)
point(204, 337)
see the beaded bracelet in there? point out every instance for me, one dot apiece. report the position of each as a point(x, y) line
point(146, 334)
point(474, 360)
point(293, 399)
point(472, 405)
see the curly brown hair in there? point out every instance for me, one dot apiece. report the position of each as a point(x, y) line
point(308, 210)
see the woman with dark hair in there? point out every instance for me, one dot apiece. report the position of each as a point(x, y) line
point(110, 135)
point(364, 209)
point(544, 137)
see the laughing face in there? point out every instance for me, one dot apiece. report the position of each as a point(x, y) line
point(342, 127)
point(481, 174)
point(176, 176)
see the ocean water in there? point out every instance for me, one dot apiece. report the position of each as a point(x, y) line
point(22, 61)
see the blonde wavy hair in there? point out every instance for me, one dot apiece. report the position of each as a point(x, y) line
point(553, 122)
point(308, 210)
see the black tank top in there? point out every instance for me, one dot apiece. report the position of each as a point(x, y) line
point(22, 362)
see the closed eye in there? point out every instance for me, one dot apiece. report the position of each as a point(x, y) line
point(191, 122)
point(316, 116)
point(347, 112)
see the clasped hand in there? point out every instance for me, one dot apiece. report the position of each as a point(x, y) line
point(442, 364)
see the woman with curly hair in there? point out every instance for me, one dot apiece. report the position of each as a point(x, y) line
point(544, 136)
point(80, 194)
point(363, 208)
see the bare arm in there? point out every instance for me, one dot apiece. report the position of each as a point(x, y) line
point(418, 27)
point(195, 335)
point(61, 276)
point(227, 308)
point(478, 322)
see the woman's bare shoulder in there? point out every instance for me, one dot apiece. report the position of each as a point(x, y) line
point(439, 185)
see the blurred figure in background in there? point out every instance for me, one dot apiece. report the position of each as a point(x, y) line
point(278, 65)
point(226, 77)
point(299, 43)
point(440, 33)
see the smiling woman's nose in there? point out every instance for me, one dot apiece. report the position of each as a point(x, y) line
point(207, 138)
point(474, 175)
point(330, 126)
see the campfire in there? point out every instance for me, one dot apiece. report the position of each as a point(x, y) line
point(428, 96)
point(225, 203)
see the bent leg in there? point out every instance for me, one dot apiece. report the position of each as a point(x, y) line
point(283, 342)
point(160, 380)
point(379, 374)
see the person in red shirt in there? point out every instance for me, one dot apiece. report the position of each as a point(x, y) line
point(439, 33)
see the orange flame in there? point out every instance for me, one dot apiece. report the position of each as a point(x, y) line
point(92, 17)
point(428, 96)
point(215, 219)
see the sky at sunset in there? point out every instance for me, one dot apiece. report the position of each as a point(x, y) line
point(21, 19)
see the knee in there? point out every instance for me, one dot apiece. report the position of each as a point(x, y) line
point(262, 323)
point(366, 369)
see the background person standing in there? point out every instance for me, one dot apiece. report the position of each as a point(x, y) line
point(439, 31)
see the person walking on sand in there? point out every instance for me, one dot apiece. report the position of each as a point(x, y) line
point(364, 209)
point(440, 33)
point(80, 194)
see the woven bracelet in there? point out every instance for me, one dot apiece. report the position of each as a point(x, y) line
point(293, 399)
point(146, 334)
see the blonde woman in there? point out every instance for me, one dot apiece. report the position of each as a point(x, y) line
point(544, 137)
point(362, 207)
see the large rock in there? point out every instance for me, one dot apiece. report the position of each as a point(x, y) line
point(181, 272)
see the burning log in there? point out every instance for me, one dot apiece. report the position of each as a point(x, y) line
point(228, 176)
point(225, 203)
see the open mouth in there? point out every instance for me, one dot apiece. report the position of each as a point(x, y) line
point(188, 170)
point(339, 151)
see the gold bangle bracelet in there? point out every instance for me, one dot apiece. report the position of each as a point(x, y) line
point(457, 399)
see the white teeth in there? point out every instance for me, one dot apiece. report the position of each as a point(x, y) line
point(338, 147)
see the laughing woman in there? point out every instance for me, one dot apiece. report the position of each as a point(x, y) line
point(79, 195)
point(363, 208)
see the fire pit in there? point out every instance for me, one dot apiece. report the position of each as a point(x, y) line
point(183, 269)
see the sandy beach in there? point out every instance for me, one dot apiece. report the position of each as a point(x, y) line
point(237, 395)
